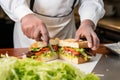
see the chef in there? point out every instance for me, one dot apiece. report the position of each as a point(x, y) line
point(44, 19)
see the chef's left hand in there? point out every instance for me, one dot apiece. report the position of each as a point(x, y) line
point(86, 30)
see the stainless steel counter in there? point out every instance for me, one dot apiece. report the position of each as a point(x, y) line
point(108, 67)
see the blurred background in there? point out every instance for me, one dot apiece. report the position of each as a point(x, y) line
point(6, 30)
point(108, 28)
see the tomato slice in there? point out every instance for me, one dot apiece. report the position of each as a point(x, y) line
point(75, 53)
point(72, 50)
point(45, 49)
point(55, 47)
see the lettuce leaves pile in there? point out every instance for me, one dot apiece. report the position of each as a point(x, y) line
point(12, 68)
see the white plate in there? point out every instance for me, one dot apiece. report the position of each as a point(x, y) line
point(88, 66)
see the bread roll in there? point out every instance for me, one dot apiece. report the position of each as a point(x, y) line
point(37, 44)
point(46, 59)
point(54, 41)
point(72, 43)
point(75, 60)
point(41, 44)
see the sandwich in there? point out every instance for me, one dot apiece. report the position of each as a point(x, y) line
point(74, 52)
point(67, 50)
point(39, 51)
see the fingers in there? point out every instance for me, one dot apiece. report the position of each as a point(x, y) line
point(40, 33)
point(36, 34)
point(89, 35)
point(96, 42)
point(34, 28)
point(27, 30)
point(93, 40)
point(45, 34)
point(90, 40)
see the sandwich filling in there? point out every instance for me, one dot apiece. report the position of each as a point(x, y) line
point(42, 52)
point(67, 49)
point(74, 52)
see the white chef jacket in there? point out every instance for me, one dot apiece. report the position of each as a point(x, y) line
point(62, 27)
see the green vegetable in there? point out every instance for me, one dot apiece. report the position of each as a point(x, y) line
point(47, 54)
point(35, 49)
point(82, 51)
point(12, 68)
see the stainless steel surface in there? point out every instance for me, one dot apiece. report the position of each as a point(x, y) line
point(108, 67)
point(114, 47)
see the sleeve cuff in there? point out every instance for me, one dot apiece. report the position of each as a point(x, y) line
point(22, 11)
point(94, 19)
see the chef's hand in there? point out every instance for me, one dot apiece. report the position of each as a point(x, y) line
point(86, 30)
point(34, 28)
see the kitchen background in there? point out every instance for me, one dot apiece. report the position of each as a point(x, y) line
point(104, 32)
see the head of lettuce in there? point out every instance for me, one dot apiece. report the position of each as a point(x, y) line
point(12, 68)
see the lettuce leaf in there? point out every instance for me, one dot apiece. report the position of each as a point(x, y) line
point(12, 68)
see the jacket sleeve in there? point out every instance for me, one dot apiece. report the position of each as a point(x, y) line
point(91, 9)
point(15, 9)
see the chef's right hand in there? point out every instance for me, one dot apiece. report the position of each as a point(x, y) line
point(34, 28)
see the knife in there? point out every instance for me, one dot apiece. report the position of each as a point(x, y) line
point(51, 48)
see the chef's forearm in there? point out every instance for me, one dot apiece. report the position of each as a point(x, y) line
point(92, 10)
point(15, 9)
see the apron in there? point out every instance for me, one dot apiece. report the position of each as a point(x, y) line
point(61, 27)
